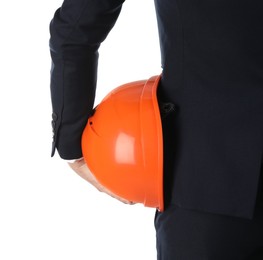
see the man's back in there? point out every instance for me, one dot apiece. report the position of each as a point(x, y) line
point(212, 59)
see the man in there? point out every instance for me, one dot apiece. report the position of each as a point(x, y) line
point(212, 60)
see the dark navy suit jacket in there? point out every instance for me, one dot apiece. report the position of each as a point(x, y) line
point(212, 61)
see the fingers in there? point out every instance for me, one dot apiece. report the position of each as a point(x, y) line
point(105, 190)
point(80, 167)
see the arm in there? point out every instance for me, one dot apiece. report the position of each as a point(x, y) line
point(77, 30)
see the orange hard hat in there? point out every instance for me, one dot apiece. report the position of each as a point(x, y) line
point(122, 143)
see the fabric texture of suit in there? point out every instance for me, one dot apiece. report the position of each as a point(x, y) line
point(212, 60)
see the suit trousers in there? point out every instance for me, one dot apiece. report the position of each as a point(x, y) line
point(187, 234)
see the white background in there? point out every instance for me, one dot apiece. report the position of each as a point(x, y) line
point(47, 211)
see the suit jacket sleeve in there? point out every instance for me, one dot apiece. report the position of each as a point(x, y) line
point(76, 32)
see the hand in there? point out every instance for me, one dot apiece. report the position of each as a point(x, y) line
point(81, 168)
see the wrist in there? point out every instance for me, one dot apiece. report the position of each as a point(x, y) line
point(73, 160)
